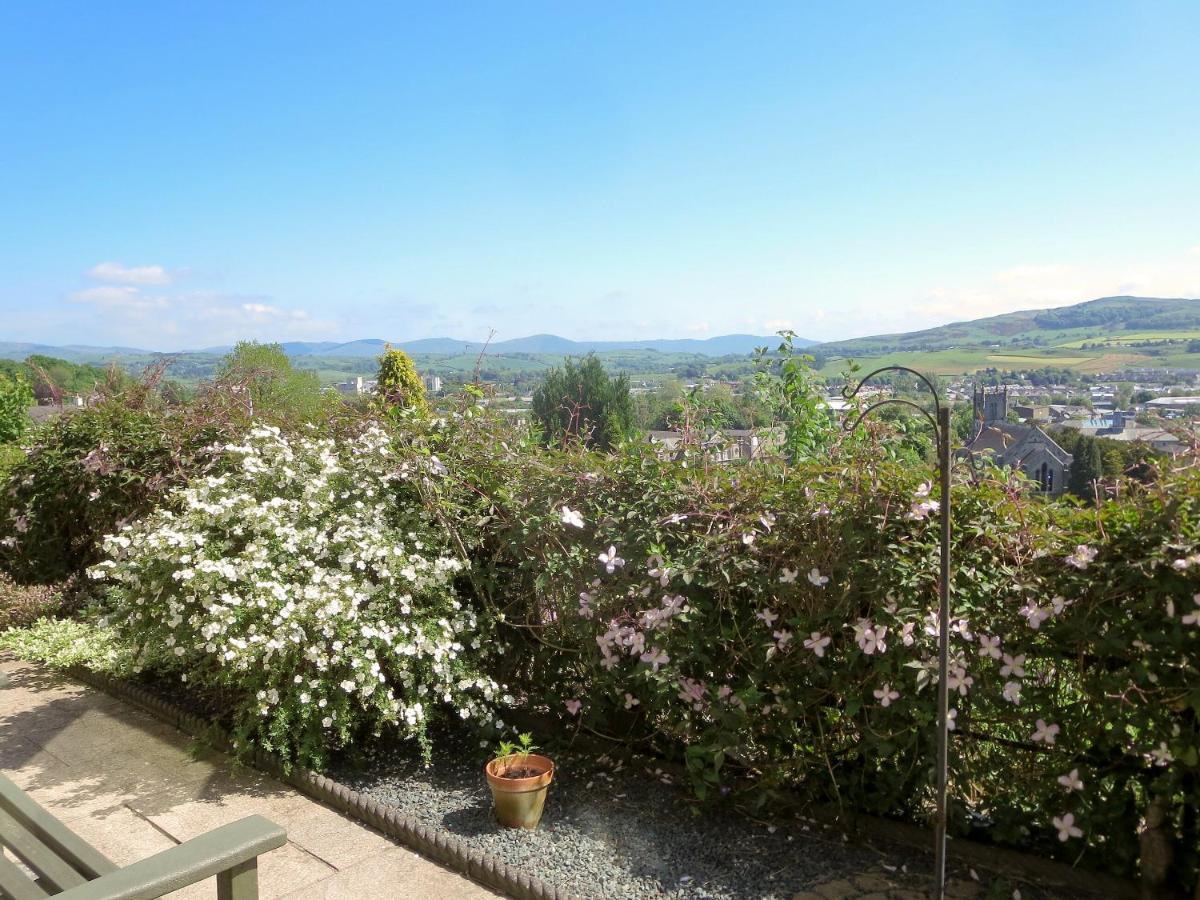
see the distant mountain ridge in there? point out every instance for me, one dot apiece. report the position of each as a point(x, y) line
point(722, 345)
point(1035, 326)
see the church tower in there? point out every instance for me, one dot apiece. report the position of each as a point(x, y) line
point(991, 406)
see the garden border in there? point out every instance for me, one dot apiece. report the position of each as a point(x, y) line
point(492, 872)
point(434, 843)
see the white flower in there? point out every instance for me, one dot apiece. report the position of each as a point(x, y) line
point(951, 719)
point(767, 617)
point(1012, 691)
point(817, 643)
point(885, 695)
point(348, 686)
point(1045, 733)
point(748, 538)
point(1066, 827)
point(959, 680)
point(327, 722)
point(1162, 756)
point(788, 576)
point(631, 701)
point(768, 520)
point(1193, 618)
point(571, 517)
point(1071, 781)
point(816, 579)
point(610, 560)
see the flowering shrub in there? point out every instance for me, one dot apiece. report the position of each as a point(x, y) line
point(777, 631)
point(304, 581)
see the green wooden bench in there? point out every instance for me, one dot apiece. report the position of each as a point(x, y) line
point(70, 869)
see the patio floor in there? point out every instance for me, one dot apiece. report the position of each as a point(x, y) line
point(127, 783)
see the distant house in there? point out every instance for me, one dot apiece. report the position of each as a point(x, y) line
point(725, 445)
point(356, 386)
point(433, 383)
point(1024, 447)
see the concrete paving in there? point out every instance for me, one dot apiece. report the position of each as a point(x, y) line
point(129, 785)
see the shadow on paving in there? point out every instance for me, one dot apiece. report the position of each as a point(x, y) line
point(79, 751)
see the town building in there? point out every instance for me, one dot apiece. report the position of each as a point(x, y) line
point(1025, 447)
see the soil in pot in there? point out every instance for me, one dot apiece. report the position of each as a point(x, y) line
point(519, 786)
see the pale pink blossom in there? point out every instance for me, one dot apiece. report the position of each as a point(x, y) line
point(959, 680)
point(1193, 618)
point(1162, 756)
point(1046, 733)
point(816, 579)
point(1066, 826)
point(788, 576)
point(1012, 692)
point(1082, 557)
point(782, 638)
point(885, 695)
point(817, 643)
point(655, 657)
point(631, 701)
point(610, 560)
point(573, 706)
point(1071, 781)
point(766, 616)
point(989, 646)
point(1014, 666)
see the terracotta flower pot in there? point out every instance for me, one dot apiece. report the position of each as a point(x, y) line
point(519, 801)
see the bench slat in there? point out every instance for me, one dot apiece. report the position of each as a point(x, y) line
point(57, 874)
point(16, 884)
point(68, 846)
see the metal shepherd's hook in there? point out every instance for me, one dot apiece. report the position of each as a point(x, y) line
point(940, 420)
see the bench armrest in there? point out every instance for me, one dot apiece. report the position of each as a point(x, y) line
point(229, 848)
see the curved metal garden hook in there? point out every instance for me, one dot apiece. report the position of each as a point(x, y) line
point(939, 419)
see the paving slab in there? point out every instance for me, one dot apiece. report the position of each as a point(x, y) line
point(132, 786)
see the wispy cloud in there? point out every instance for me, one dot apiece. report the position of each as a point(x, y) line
point(114, 298)
point(115, 273)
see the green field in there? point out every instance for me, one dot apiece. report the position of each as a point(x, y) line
point(971, 359)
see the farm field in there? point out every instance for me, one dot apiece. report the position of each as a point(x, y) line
point(967, 360)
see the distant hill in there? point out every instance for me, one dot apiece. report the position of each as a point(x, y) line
point(1097, 319)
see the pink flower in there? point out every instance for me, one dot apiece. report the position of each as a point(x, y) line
point(782, 638)
point(1045, 733)
point(817, 643)
point(631, 701)
point(1071, 781)
point(960, 681)
point(1012, 692)
point(1082, 557)
point(1035, 615)
point(692, 691)
point(767, 617)
point(1193, 618)
point(1067, 828)
point(573, 706)
point(655, 657)
point(885, 695)
point(610, 560)
point(989, 646)
point(1014, 666)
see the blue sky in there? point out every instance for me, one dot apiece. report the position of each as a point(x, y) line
point(176, 176)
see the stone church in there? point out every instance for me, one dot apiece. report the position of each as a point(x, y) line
point(1024, 447)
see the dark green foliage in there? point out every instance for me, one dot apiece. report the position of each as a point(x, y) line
point(1087, 468)
point(581, 403)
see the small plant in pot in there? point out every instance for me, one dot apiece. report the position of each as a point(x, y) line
point(519, 779)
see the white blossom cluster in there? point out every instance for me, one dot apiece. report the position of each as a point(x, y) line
point(302, 579)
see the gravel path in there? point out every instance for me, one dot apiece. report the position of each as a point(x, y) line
point(625, 831)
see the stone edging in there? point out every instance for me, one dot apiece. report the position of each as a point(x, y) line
point(434, 843)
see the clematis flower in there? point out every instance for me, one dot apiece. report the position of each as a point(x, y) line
point(1035, 615)
point(573, 706)
point(768, 520)
point(1012, 692)
point(959, 680)
point(748, 538)
point(1082, 557)
point(1067, 828)
point(816, 579)
point(788, 576)
point(1014, 666)
point(782, 638)
point(1162, 756)
point(885, 695)
point(631, 701)
point(989, 646)
point(1071, 781)
point(571, 517)
point(952, 719)
point(693, 692)
point(767, 617)
point(1045, 733)
point(610, 560)
point(1193, 618)
point(655, 657)
point(817, 643)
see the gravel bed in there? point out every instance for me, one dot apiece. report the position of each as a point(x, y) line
point(613, 830)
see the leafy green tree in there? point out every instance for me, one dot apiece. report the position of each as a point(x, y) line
point(581, 402)
point(16, 396)
point(1086, 468)
point(272, 388)
point(787, 386)
point(399, 386)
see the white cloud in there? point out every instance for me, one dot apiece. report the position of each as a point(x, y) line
point(115, 273)
point(700, 328)
point(1194, 251)
point(112, 298)
point(774, 325)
